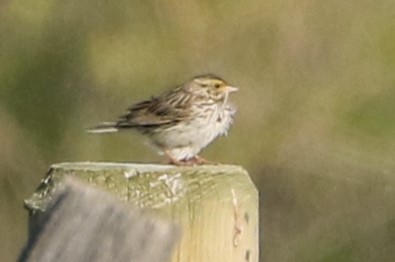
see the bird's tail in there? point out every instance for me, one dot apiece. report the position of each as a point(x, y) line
point(105, 127)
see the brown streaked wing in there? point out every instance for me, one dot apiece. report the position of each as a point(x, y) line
point(157, 111)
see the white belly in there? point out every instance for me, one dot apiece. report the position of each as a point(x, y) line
point(186, 140)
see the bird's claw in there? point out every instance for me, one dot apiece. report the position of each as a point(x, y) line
point(194, 161)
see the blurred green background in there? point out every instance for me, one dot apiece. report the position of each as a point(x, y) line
point(316, 120)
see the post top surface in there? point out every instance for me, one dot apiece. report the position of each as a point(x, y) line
point(154, 184)
point(141, 167)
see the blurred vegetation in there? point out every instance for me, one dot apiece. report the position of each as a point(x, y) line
point(315, 127)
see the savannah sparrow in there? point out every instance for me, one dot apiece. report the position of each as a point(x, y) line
point(182, 121)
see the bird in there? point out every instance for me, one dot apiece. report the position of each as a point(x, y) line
point(182, 121)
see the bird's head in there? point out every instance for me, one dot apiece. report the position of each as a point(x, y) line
point(210, 86)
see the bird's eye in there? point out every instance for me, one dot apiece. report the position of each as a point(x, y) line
point(217, 85)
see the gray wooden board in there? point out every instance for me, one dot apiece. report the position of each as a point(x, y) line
point(83, 223)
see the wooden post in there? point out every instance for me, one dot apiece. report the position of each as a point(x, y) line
point(215, 205)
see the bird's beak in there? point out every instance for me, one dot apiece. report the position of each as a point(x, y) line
point(231, 89)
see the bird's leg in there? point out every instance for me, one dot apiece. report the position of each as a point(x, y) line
point(200, 160)
point(172, 161)
point(196, 160)
point(180, 162)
